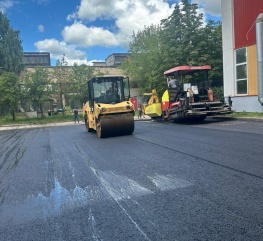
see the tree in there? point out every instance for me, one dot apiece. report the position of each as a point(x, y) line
point(11, 51)
point(10, 92)
point(77, 83)
point(211, 49)
point(186, 41)
point(181, 39)
point(145, 64)
point(37, 87)
point(180, 36)
point(61, 75)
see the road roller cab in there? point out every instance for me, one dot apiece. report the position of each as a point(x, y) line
point(108, 110)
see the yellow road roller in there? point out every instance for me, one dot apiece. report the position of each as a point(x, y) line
point(108, 110)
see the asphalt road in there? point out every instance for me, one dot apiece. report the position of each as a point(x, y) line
point(165, 182)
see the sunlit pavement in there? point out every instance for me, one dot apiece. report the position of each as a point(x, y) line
point(143, 118)
point(25, 126)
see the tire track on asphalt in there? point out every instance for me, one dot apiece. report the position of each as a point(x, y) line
point(200, 158)
point(12, 152)
point(97, 174)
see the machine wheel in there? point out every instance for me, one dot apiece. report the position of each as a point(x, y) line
point(114, 125)
point(98, 129)
point(200, 119)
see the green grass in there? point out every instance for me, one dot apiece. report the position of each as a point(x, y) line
point(246, 114)
point(68, 117)
point(22, 119)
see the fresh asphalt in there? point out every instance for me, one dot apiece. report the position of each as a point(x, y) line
point(194, 181)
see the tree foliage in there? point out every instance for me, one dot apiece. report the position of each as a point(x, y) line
point(180, 35)
point(212, 54)
point(181, 39)
point(146, 59)
point(11, 51)
point(71, 82)
point(37, 88)
point(77, 83)
point(10, 93)
point(61, 76)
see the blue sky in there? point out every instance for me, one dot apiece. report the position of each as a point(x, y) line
point(88, 30)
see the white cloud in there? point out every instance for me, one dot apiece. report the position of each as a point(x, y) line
point(84, 36)
point(93, 9)
point(4, 5)
point(71, 62)
point(41, 28)
point(125, 16)
point(57, 49)
point(115, 9)
point(128, 16)
point(151, 12)
point(212, 7)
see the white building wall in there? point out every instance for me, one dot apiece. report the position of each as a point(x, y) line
point(228, 47)
point(246, 104)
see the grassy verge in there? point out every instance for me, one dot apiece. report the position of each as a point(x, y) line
point(68, 117)
point(246, 114)
point(21, 119)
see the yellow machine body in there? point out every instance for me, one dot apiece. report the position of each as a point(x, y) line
point(152, 107)
point(153, 110)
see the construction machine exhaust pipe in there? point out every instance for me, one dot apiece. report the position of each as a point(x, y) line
point(259, 40)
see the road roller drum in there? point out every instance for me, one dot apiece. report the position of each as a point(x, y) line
point(115, 125)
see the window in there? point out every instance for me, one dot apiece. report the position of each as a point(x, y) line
point(108, 90)
point(241, 71)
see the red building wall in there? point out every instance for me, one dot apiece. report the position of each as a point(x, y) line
point(245, 15)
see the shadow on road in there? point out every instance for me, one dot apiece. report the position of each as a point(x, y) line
point(208, 120)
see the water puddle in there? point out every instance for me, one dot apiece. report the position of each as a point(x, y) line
point(113, 186)
point(165, 183)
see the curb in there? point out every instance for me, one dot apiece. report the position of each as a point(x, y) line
point(146, 118)
point(28, 126)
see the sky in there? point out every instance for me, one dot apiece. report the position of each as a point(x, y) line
point(89, 30)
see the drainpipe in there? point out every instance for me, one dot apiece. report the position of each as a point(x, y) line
point(259, 39)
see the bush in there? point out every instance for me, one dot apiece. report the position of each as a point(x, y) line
point(219, 93)
point(21, 119)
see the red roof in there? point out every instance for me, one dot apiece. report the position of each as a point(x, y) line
point(186, 69)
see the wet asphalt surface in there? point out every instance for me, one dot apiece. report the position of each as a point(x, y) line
point(165, 182)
